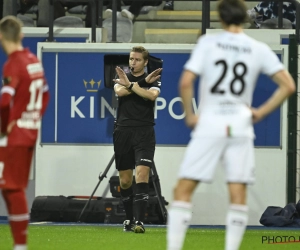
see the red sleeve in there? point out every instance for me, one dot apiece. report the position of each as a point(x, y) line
point(10, 82)
point(4, 108)
point(11, 75)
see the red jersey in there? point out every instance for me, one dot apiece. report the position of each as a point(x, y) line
point(24, 97)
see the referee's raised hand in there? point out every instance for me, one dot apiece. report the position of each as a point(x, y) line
point(123, 79)
point(153, 76)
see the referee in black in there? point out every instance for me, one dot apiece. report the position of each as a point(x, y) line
point(134, 135)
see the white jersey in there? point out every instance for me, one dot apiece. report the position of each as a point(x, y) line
point(228, 65)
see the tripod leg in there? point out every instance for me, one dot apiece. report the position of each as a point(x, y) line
point(156, 178)
point(158, 193)
point(108, 186)
point(101, 177)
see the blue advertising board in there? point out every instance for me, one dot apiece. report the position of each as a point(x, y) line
point(81, 112)
point(31, 43)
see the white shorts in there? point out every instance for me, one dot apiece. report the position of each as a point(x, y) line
point(203, 154)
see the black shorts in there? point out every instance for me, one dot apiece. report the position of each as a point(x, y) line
point(134, 146)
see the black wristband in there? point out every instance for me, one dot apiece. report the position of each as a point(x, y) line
point(131, 85)
point(142, 82)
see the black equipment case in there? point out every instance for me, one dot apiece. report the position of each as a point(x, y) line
point(66, 209)
point(99, 210)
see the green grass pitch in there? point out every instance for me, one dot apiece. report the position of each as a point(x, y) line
point(90, 237)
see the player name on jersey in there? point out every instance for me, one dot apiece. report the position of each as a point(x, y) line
point(234, 48)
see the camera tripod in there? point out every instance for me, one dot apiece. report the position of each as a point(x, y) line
point(156, 185)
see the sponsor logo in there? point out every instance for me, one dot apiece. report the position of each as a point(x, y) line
point(91, 86)
point(146, 197)
point(35, 70)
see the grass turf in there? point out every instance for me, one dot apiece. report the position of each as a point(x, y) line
point(53, 237)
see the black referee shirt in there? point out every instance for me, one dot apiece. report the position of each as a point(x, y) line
point(135, 110)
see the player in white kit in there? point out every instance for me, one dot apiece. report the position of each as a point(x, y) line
point(228, 64)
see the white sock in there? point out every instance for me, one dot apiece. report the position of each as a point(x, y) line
point(236, 222)
point(20, 247)
point(179, 217)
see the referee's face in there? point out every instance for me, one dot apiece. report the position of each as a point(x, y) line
point(137, 63)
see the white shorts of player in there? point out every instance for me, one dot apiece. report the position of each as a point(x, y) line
point(204, 153)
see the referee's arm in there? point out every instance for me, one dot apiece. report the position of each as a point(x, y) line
point(150, 94)
point(121, 90)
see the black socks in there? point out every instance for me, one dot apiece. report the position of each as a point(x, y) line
point(141, 200)
point(127, 199)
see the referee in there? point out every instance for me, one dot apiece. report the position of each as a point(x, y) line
point(134, 135)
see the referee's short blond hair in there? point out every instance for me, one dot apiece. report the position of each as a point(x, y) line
point(142, 50)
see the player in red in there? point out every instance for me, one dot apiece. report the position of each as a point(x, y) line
point(24, 97)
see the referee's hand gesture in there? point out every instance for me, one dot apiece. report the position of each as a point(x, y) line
point(123, 79)
point(153, 76)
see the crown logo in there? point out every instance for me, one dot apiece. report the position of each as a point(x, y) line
point(90, 86)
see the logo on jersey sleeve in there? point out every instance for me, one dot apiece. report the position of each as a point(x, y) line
point(6, 80)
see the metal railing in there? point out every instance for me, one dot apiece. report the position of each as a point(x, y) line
point(205, 15)
point(91, 3)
